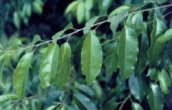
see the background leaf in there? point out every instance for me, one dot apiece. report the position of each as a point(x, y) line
point(6, 97)
point(136, 106)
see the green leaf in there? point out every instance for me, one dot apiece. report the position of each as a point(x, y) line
point(80, 12)
point(165, 37)
point(142, 57)
point(85, 90)
point(59, 34)
point(127, 52)
point(136, 106)
point(156, 1)
point(111, 105)
point(77, 52)
point(36, 38)
point(89, 4)
point(112, 58)
point(156, 51)
point(16, 19)
point(120, 9)
point(164, 80)
point(153, 73)
point(83, 103)
point(21, 74)
point(3, 59)
point(137, 86)
point(49, 64)
point(6, 97)
point(155, 97)
point(91, 58)
point(63, 68)
point(71, 6)
point(90, 23)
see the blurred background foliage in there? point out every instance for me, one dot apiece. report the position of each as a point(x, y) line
point(24, 19)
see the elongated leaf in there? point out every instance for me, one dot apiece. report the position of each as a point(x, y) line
point(49, 63)
point(142, 57)
point(90, 23)
point(112, 59)
point(71, 6)
point(155, 97)
point(77, 53)
point(87, 91)
point(6, 97)
point(165, 37)
point(164, 80)
point(120, 9)
point(136, 106)
point(91, 58)
point(138, 87)
point(60, 33)
point(158, 1)
point(63, 68)
point(156, 51)
point(3, 59)
point(111, 105)
point(83, 102)
point(80, 12)
point(21, 74)
point(127, 52)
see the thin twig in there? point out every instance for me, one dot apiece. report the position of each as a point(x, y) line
point(124, 102)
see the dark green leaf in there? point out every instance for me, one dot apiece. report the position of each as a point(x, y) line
point(127, 52)
point(49, 64)
point(77, 52)
point(165, 37)
point(63, 68)
point(87, 91)
point(3, 59)
point(155, 97)
point(21, 74)
point(136, 106)
point(158, 1)
point(156, 51)
point(137, 86)
point(91, 58)
point(112, 58)
point(83, 103)
point(153, 74)
point(111, 105)
point(164, 80)
point(60, 33)
point(6, 97)
point(142, 57)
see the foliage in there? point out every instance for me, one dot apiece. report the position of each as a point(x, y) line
point(129, 67)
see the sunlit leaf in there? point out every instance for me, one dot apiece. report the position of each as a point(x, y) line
point(127, 52)
point(91, 58)
point(6, 97)
point(136, 106)
point(155, 97)
point(71, 6)
point(137, 86)
point(165, 37)
point(60, 33)
point(49, 64)
point(164, 80)
point(120, 9)
point(21, 74)
point(63, 68)
point(80, 12)
point(83, 103)
point(112, 58)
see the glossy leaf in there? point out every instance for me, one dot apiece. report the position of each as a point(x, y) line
point(63, 68)
point(6, 97)
point(127, 52)
point(77, 52)
point(153, 74)
point(142, 57)
point(80, 12)
point(21, 74)
point(83, 103)
point(165, 37)
point(120, 9)
point(156, 51)
point(49, 64)
point(136, 106)
point(164, 80)
point(155, 97)
point(112, 58)
point(60, 33)
point(3, 59)
point(137, 86)
point(90, 23)
point(91, 58)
